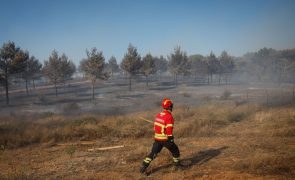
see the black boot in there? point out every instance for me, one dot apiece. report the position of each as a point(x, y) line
point(144, 167)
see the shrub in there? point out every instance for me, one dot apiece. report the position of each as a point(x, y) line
point(236, 116)
point(186, 94)
point(43, 99)
point(225, 95)
point(47, 114)
point(83, 121)
point(70, 150)
point(72, 108)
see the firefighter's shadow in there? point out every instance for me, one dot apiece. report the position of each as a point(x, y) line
point(196, 159)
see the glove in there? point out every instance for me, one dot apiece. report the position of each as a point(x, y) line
point(170, 139)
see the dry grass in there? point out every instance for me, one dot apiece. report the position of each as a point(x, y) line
point(16, 132)
point(263, 163)
point(217, 141)
point(55, 128)
point(204, 121)
point(269, 147)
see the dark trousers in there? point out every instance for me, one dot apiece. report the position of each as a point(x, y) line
point(158, 146)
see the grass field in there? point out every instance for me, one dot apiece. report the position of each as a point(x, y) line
point(217, 140)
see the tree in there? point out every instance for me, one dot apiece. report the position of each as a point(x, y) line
point(148, 67)
point(24, 55)
point(161, 64)
point(261, 61)
point(11, 62)
point(198, 65)
point(58, 69)
point(131, 62)
point(67, 68)
point(178, 63)
point(227, 65)
point(281, 68)
point(52, 69)
point(113, 66)
point(286, 67)
point(213, 65)
point(32, 70)
point(93, 67)
point(1, 80)
point(291, 71)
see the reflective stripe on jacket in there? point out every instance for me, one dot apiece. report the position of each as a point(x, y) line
point(163, 125)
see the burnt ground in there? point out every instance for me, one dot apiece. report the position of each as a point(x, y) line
point(113, 97)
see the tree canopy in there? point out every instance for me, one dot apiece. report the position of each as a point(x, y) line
point(12, 61)
point(58, 68)
point(93, 66)
point(148, 66)
point(131, 62)
point(178, 62)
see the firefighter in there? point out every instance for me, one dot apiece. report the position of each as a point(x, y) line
point(163, 128)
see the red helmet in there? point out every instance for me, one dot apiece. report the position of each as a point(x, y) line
point(166, 103)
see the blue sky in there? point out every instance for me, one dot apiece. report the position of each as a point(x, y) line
point(155, 26)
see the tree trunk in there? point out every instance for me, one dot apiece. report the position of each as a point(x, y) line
point(284, 76)
point(27, 90)
point(176, 80)
point(130, 83)
point(34, 84)
point(211, 74)
point(208, 78)
point(6, 86)
point(280, 77)
point(219, 79)
point(55, 88)
point(174, 77)
point(93, 90)
point(195, 76)
point(147, 81)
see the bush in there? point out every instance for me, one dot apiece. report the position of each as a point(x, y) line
point(70, 150)
point(72, 108)
point(186, 94)
point(225, 95)
point(43, 99)
point(236, 116)
point(84, 121)
point(47, 114)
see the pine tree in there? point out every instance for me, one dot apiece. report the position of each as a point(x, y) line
point(131, 62)
point(93, 67)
